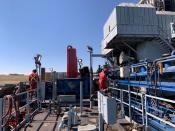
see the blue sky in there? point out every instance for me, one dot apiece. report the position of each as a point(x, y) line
point(28, 27)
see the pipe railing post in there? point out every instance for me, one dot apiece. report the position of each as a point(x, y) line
point(129, 95)
point(1, 113)
point(101, 122)
point(143, 110)
point(69, 119)
point(91, 79)
point(28, 108)
point(146, 116)
point(50, 107)
point(121, 100)
point(27, 117)
point(54, 93)
point(81, 97)
point(38, 68)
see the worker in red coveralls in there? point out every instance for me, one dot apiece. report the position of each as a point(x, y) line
point(33, 79)
point(103, 82)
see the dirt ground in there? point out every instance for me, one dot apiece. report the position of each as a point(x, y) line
point(12, 79)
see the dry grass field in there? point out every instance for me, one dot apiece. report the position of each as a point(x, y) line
point(12, 79)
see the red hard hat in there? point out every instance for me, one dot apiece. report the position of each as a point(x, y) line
point(105, 69)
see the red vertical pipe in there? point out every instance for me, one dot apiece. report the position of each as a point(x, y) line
point(71, 62)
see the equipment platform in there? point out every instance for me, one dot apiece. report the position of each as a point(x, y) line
point(44, 121)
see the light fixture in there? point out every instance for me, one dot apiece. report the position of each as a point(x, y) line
point(80, 60)
point(90, 49)
point(38, 59)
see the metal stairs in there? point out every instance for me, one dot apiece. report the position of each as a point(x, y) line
point(165, 42)
point(165, 45)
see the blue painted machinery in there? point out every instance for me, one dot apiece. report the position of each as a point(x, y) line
point(157, 76)
point(156, 80)
point(71, 86)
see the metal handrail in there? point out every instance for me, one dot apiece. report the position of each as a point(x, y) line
point(162, 99)
point(140, 94)
point(154, 116)
point(145, 107)
point(162, 120)
point(25, 92)
point(130, 104)
point(27, 105)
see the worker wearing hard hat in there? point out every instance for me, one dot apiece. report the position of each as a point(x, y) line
point(33, 79)
point(103, 82)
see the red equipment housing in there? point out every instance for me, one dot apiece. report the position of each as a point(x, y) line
point(71, 62)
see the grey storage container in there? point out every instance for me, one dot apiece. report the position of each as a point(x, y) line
point(130, 20)
point(164, 22)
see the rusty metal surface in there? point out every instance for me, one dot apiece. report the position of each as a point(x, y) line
point(37, 120)
point(90, 118)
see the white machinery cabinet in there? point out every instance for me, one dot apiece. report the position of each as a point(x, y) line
point(107, 106)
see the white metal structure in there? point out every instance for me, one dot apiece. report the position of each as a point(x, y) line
point(107, 107)
point(129, 20)
point(103, 50)
point(137, 21)
point(141, 27)
point(164, 19)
